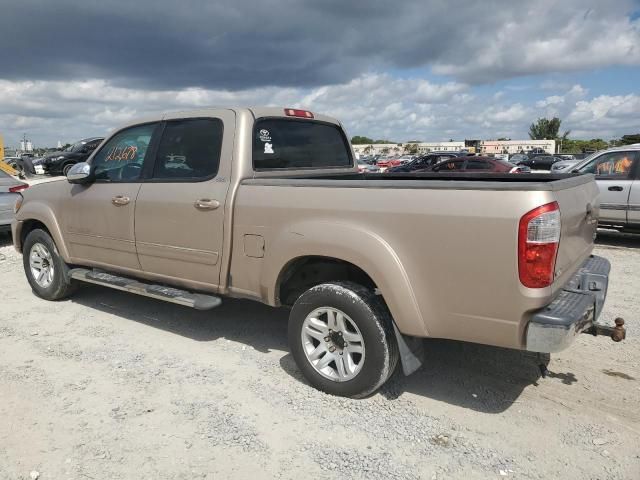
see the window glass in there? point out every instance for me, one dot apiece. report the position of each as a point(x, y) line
point(189, 149)
point(478, 165)
point(450, 166)
point(121, 158)
point(611, 164)
point(284, 143)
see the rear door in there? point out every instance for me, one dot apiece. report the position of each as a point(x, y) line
point(180, 209)
point(614, 174)
point(633, 212)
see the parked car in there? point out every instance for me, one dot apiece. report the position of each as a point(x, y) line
point(22, 164)
point(365, 167)
point(540, 162)
point(423, 162)
point(60, 162)
point(617, 172)
point(268, 205)
point(10, 189)
point(478, 164)
point(385, 163)
point(518, 157)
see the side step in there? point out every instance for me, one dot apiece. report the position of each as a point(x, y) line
point(199, 301)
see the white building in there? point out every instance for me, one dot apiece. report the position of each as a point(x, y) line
point(516, 146)
point(440, 147)
point(379, 149)
point(484, 146)
point(400, 148)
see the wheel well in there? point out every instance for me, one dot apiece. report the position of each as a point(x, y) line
point(29, 226)
point(303, 273)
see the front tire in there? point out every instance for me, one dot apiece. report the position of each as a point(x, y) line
point(341, 337)
point(46, 271)
point(66, 169)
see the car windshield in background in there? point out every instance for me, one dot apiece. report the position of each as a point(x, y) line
point(280, 143)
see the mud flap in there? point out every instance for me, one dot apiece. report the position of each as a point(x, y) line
point(411, 351)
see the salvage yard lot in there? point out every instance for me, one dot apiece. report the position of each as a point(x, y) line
point(106, 384)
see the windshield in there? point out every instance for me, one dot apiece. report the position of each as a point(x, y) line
point(586, 160)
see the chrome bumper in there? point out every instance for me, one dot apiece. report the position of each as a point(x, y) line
point(574, 311)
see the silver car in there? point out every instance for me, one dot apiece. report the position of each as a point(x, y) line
point(617, 172)
point(9, 193)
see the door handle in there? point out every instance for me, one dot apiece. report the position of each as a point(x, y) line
point(119, 200)
point(616, 188)
point(206, 204)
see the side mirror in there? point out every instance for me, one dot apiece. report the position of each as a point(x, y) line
point(80, 173)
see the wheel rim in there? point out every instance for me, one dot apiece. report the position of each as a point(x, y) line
point(333, 344)
point(41, 264)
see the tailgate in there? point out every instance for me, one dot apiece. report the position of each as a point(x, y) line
point(579, 209)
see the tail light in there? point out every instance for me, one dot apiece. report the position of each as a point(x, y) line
point(294, 112)
point(18, 188)
point(538, 239)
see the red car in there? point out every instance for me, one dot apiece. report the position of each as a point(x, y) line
point(476, 164)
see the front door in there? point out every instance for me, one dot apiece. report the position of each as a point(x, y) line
point(613, 172)
point(180, 209)
point(98, 219)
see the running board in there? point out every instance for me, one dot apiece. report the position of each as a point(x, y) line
point(199, 301)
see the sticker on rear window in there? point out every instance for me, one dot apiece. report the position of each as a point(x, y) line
point(265, 136)
point(268, 148)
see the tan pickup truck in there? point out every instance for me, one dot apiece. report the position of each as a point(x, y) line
point(267, 204)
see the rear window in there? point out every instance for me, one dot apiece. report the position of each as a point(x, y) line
point(281, 143)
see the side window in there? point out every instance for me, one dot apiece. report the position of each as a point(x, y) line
point(478, 165)
point(424, 162)
point(450, 166)
point(93, 145)
point(121, 158)
point(189, 149)
point(614, 164)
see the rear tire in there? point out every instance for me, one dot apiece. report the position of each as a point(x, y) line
point(341, 337)
point(46, 271)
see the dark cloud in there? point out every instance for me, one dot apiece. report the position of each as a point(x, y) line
point(161, 44)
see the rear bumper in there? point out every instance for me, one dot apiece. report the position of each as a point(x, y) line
point(575, 310)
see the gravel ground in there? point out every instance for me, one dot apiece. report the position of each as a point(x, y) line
point(110, 385)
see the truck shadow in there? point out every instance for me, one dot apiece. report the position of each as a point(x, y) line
point(612, 238)
point(5, 239)
point(478, 377)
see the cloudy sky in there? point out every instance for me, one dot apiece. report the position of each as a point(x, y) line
point(429, 70)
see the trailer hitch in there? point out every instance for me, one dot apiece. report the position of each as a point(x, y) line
point(617, 333)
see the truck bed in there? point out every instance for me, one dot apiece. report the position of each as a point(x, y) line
point(454, 237)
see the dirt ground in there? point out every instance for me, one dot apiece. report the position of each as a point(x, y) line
point(108, 385)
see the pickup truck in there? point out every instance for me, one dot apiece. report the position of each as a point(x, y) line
point(267, 204)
